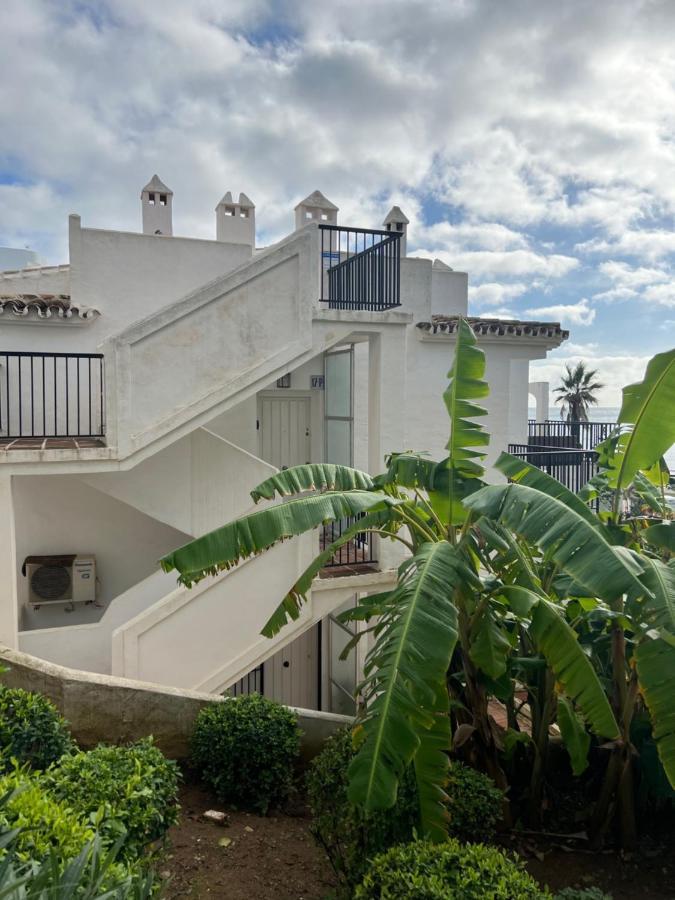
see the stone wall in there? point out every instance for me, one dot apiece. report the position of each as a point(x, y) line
point(105, 708)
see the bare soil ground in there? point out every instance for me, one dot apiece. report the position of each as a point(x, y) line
point(276, 857)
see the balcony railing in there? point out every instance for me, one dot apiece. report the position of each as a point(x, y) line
point(359, 550)
point(579, 435)
point(51, 395)
point(571, 467)
point(361, 268)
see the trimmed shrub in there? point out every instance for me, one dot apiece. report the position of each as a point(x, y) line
point(54, 854)
point(350, 836)
point(450, 871)
point(31, 730)
point(129, 791)
point(47, 824)
point(245, 749)
point(474, 804)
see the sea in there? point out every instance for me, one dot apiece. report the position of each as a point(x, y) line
point(609, 414)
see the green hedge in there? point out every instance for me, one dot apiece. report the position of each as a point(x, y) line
point(351, 837)
point(129, 790)
point(449, 871)
point(245, 749)
point(31, 730)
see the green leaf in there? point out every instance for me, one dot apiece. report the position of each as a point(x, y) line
point(661, 535)
point(289, 608)
point(572, 668)
point(656, 671)
point(403, 671)
point(466, 385)
point(432, 766)
point(525, 473)
point(249, 535)
point(312, 477)
point(490, 647)
point(658, 611)
point(572, 542)
point(647, 410)
point(576, 739)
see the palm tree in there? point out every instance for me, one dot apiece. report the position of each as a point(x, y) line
point(577, 392)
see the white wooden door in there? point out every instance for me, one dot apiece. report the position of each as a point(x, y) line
point(284, 423)
point(292, 674)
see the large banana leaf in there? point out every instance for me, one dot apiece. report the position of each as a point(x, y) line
point(656, 671)
point(576, 739)
point(572, 668)
point(525, 473)
point(648, 420)
point(661, 535)
point(258, 531)
point(289, 608)
point(312, 477)
point(431, 768)
point(404, 671)
point(658, 611)
point(558, 644)
point(490, 646)
point(466, 385)
point(573, 543)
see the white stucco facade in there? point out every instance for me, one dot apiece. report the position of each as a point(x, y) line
point(213, 362)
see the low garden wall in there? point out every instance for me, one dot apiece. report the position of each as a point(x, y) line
point(110, 709)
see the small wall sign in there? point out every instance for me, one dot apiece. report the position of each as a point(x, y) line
point(317, 382)
point(284, 381)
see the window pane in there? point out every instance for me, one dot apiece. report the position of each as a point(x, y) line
point(338, 384)
point(339, 442)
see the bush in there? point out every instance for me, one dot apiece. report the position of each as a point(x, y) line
point(474, 804)
point(31, 730)
point(245, 749)
point(128, 791)
point(350, 837)
point(47, 824)
point(450, 871)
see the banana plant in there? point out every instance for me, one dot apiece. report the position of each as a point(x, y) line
point(444, 636)
point(615, 565)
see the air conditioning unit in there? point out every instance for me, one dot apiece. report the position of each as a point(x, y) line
point(60, 579)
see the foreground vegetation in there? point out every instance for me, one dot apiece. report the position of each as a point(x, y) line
point(559, 606)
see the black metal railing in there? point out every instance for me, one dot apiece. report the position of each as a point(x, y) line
point(359, 550)
point(360, 268)
point(51, 395)
point(252, 683)
point(579, 435)
point(571, 467)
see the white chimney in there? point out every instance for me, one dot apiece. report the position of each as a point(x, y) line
point(156, 200)
point(235, 222)
point(397, 221)
point(315, 208)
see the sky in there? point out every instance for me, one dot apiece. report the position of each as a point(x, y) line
point(531, 143)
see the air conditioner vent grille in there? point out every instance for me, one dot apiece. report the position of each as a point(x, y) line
point(51, 582)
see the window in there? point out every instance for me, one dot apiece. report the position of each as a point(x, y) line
point(243, 213)
point(151, 199)
point(162, 199)
point(338, 412)
point(229, 210)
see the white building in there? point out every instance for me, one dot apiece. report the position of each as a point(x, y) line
point(149, 383)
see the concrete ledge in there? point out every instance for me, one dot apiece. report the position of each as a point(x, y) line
point(114, 710)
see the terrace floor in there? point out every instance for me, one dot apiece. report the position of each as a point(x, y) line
point(42, 443)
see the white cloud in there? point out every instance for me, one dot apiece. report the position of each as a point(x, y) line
point(580, 313)
point(650, 285)
point(492, 293)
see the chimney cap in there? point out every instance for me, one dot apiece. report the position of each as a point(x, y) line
point(156, 185)
point(395, 216)
point(226, 200)
point(246, 202)
point(317, 199)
